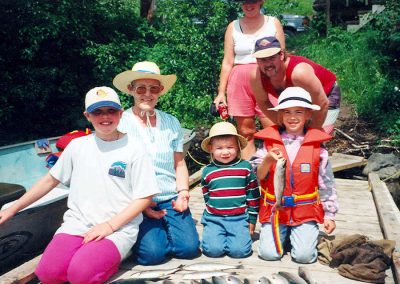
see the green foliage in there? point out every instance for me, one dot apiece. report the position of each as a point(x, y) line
point(52, 53)
point(367, 72)
point(298, 7)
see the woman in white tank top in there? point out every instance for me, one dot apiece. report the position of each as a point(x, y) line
point(240, 37)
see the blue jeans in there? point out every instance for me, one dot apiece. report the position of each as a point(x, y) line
point(303, 239)
point(228, 235)
point(175, 235)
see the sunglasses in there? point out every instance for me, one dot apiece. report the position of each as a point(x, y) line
point(141, 90)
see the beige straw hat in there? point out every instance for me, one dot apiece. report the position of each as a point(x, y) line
point(143, 70)
point(223, 128)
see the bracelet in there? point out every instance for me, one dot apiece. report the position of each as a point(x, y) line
point(183, 189)
point(112, 229)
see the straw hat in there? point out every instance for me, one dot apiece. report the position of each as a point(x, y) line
point(295, 97)
point(223, 128)
point(143, 70)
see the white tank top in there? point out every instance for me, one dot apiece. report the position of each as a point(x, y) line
point(244, 43)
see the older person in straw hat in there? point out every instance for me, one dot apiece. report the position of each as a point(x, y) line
point(231, 194)
point(168, 227)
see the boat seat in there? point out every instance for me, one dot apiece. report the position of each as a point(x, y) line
point(10, 192)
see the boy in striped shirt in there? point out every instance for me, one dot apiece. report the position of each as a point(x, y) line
point(231, 194)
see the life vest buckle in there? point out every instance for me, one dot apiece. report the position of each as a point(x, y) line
point(288, 201)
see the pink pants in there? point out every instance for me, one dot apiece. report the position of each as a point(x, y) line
point(66, 259)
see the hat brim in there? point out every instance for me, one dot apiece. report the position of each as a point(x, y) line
point(266, 52)
point(122, 80)
point(294, 103)
point(206, 142)
point(100, 104)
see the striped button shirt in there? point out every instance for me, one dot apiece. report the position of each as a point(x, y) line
point(161, 142)
point(231, 189)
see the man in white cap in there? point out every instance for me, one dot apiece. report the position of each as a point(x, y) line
point(276, 71)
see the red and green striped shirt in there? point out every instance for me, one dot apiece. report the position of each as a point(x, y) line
point(231, 189)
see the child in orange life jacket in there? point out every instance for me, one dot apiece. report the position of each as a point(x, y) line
point(309, 195)
point(231, 193)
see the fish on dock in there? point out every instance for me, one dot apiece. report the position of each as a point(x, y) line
point(306, 275)
point(278, 279)
point(198, 275)
point(207, 266)
point(155, 273)
point(226, 280)
point(292, 278)
point(279, 181)
point(263, 280)
point(140, 281)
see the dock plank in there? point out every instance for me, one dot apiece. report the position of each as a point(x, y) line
point(389, 217)
point(357, 214)
point(343, 161)
point(354, 197)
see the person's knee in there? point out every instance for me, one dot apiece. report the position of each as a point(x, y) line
point(239, 252)
point(304, 255)
point(79, 274)
point(188, 252)
point(151, 257)
point(51, 274)
point(268, 254)
point(212, 249)
point(213, 252)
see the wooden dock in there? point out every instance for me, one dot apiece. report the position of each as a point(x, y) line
point(366, 207)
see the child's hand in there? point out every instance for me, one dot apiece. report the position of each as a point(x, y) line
point(153, 214)
point(98, 232)
point(274, 154)
point(252, 227)
point(182, 202)
point(5, 215)
point(329, 225)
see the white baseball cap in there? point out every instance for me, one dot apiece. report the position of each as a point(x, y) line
point(101, 97)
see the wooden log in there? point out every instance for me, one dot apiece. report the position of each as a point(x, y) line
point(389, 217)
point(342, 162)
point(22, 274)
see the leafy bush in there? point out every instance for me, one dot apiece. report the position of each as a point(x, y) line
point(366, 68)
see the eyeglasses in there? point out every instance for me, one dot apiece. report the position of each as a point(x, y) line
point(99, 112)
point(141, 90)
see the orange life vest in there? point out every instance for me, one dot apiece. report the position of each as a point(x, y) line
point(300, 197)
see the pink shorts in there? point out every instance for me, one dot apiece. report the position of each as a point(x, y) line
point(241, 100)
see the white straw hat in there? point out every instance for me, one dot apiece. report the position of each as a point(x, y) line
point(143, 70)
point(223, 128)
point(295, 97)
point(101, 97)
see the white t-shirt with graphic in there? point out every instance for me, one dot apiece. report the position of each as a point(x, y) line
point(104, 178)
